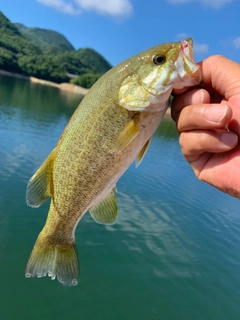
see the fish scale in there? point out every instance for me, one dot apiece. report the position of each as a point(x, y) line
point(111, 128)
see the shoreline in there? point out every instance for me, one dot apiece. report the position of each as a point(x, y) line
point(69, 87)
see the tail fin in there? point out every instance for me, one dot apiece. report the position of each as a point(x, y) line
point(54, 261)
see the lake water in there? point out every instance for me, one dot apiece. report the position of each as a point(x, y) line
point(173, 254)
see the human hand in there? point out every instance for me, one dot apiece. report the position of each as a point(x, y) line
point(208, 119)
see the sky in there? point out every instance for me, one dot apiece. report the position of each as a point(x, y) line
point(118, 29)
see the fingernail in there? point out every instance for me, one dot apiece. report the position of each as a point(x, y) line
point(216, 113)
point(200, 96)
point(229, 139)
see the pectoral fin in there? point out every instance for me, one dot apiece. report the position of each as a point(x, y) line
point(126, 136)
point(40, 186)
point(106, 212)
point(142, 153)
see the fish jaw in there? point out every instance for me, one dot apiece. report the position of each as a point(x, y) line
point(187, 69)
point(149, 88)
point(179, 71)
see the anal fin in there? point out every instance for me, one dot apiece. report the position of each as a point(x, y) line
point(106, 211)
point(142, 153)
point(40, 187)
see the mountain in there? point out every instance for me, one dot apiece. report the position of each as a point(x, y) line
point(44, 38)
point(94, 59)
point(47, 54)
point(13, 45)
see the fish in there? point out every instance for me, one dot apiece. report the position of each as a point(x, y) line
point(111, 128)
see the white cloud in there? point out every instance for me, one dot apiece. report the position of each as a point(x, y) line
point(236, 43)
point(61, 5)
point(197, 47)
point(200, 48)
point(116, 8)
point(215, 3)
point(109, 7)
point(181, 36)
point(210, 3)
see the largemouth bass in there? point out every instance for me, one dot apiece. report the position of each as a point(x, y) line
point(111, 128)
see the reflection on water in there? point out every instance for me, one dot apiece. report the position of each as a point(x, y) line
point(36, 98)
point(173, 254)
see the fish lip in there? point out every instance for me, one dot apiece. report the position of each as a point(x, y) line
point(191, 68)
point(187, 48)
point(183, 65)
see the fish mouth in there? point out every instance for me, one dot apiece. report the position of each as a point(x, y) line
point(187, 48)
point(188, 69)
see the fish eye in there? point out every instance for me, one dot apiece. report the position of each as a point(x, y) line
point(159, 59)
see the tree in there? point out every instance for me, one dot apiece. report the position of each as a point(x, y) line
point(86, 80)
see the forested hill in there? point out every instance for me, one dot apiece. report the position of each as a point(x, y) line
point(45, 39)
point(47, 54)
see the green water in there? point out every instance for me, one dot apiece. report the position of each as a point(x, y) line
point(173, 254)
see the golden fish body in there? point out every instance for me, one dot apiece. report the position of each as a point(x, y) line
point(110, 129)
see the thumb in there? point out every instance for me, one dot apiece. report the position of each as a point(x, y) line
point(222, 74)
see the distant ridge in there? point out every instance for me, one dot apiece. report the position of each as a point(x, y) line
point(44, 38)
point(47, 55)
